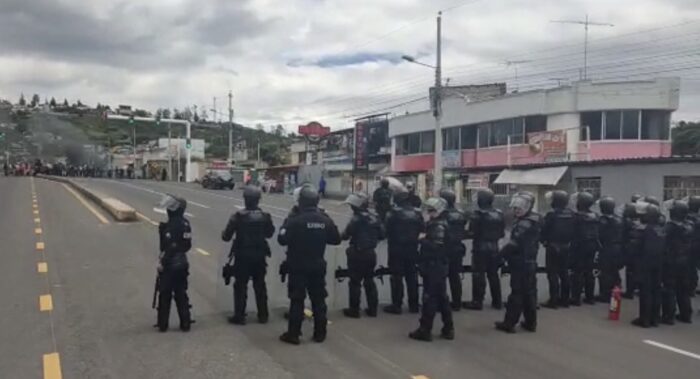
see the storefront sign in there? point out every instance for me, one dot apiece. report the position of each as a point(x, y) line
point(550, 144)
point(452, 159)
point(478, 180)
point(361, 161)
point(314, 129)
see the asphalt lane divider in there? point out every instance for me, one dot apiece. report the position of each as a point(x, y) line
point(51, 361)
point(119, 210)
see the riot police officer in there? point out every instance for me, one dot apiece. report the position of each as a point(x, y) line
point(364, 232)
point(677, 269)
point(521, 255)
point(413, 199)
point(382, 199)
point(404, 224)
point(648, 263)
point(694, 218)
point(610, 231)
point(456, 222)
point(252, 227)
point(584, 248)
point(557, 234)
point(173, 267)
point(486, 228)
point(306, 235)
point(433, 261)
point(630, 238)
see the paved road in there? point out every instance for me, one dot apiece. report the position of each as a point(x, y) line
point(100, 278)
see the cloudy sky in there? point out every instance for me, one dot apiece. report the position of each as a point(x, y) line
point(292, 61)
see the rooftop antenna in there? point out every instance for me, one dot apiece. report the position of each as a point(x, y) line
point(586, 23)
point(515, 68)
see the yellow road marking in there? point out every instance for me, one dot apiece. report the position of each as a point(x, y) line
point(52, 366)
point(419, 377)
point(37, 220)
point(146, 219)
point(36, 212)
point(38, 231)
point(203, 252)
point(35, 206)
point(87, 205)
point(40, 246)
point(42, 267)
point(45, 303)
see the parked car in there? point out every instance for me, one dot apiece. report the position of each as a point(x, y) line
point(218, 180)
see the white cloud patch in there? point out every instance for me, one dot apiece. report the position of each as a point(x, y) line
point(176, 53)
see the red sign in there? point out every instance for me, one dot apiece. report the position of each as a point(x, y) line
point(550, 144)
point(314, 129)
point(361, 161)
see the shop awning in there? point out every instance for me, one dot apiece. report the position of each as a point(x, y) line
point(548, 176)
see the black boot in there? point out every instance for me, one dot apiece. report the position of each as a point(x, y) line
point(473, 305)
point(551, 304)
point(237, 320)
point(393, 309)
point(502, 326)
point(528, 327)
point(371, 312)
point(290, 339)
point(352, 313)
point(421, 335)
point(448, 334)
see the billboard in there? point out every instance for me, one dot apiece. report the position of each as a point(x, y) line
point(361, 161)
point(452, 159)
point(314, 129)
point(550, 144)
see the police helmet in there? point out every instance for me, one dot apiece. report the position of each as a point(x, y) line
point(174, 205)
point(584, 201)
point(607, 205)
point(629, 211)
point(560, 199)
point(694, 203)
point(297, 191)
point(410, 186)
point(652, 214)
point(435, 204)
point(400, 198)
point(357, 200)
point(652, 200)
point(522, 202)
point(484, 198)
point(678, 210)
point(448, 195)
point(251, 196)
point(635, 197)
point(384, 183)
point(308, 197)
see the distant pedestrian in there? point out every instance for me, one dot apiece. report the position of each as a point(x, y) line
point(322, 187)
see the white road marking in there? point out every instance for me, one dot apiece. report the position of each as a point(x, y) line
point(673, 349)
point(163, 212)
point(198, 204)
point(203, 252)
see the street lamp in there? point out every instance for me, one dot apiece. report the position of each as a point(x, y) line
point(437, 102)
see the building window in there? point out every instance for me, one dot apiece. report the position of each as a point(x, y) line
point(427, 142)
point(302, 157)
point(613, 121)
point(413, 143)
point(450, 139)
point(655, 124)
point(594, 121)
point(630, 124)
point(535, 124)
point(468, 137)
point(678, 187)
point(484, 132)
point(516, 137)
point(590, 185)
point(500, 131)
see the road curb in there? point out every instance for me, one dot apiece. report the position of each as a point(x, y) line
point(115, 207)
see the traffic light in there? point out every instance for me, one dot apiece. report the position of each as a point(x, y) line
point(131, 120)
point(158, 120)
point(188, 143)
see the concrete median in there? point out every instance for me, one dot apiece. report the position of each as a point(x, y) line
point(115, 207)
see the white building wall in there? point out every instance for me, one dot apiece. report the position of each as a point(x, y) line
point(566, 121)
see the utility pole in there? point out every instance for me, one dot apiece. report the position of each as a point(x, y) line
point(586, 23)
point(214, 109)
point(230, 127)
point(170, 152)
point(437, 171)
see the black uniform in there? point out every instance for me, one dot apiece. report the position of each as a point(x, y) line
point(585, 246)
point(433, 261)
point(694, 218)
point(456, 222)
point(414, 200)
point(521, 255)
point(175, 242)
point(677, 270)
point(364, 232)
point(610, 258)
point(404, 224)
point(630, 238)
point(648, 264)
point(486, 228)
point(557, 235)
point(252, 228)
point(382, 201)
point(306, 235)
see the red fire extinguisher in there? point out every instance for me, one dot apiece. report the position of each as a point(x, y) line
point(615, 304)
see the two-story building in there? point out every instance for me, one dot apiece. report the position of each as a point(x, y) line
point(540, 140)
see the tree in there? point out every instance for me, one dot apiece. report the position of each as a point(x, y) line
point(280, 131)
point(195, 117)
point(686, 138)
point(187, 114)
point(273, 153)
point(260, 127)
point(52, 103)
point(79, 103)
point(65, 102)
point(35, 100)
point(177, 114)
point(22, 101)
point(204, 114)
point(166, 113)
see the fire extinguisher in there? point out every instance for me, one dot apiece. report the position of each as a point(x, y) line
point(615, 304)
